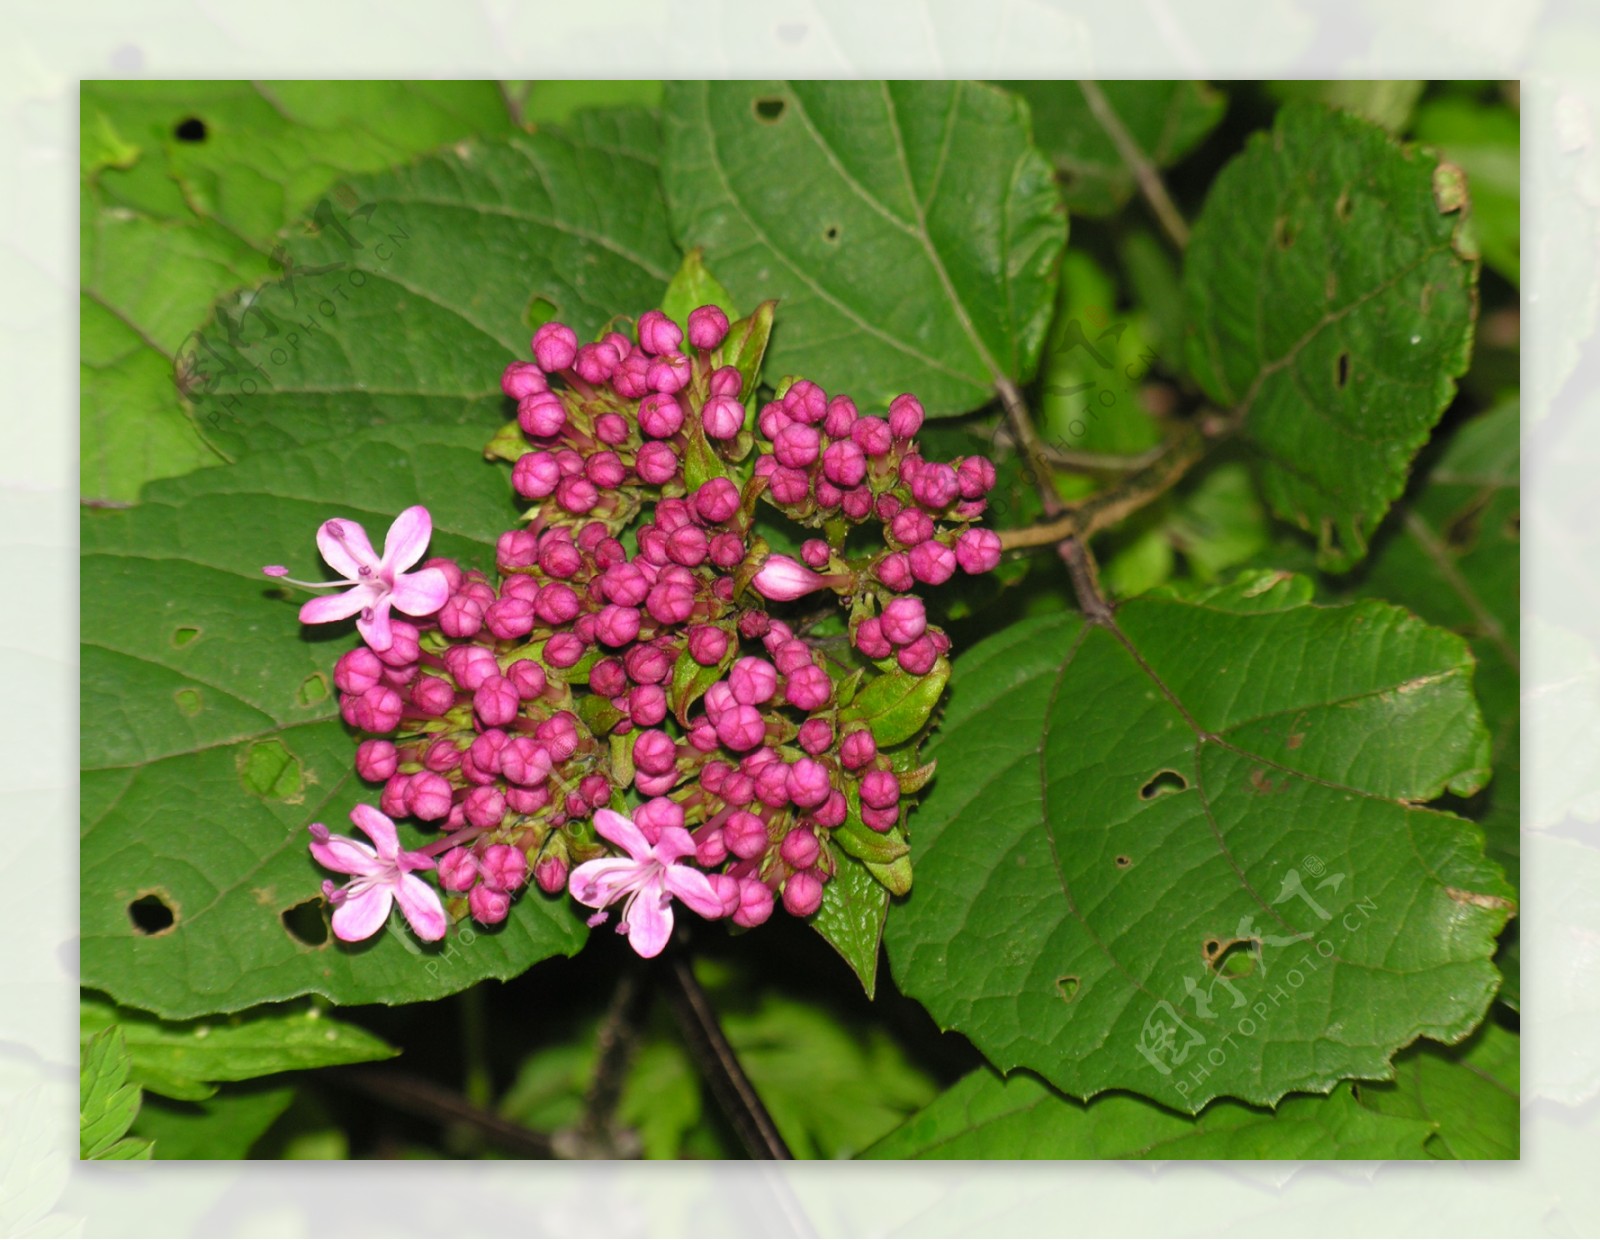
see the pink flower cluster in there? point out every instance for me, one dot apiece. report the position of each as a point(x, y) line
point(516, 714)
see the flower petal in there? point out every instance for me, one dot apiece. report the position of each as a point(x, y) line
point(650, 921)
point(421, 593)
point(379, 828)
point(374, 628)
point(343, 855)
point(675, 842)
point(599, 883)
point(344, 545)
point(420, 903)
point(362, 915)
point(326, 608)
point(694, 889)
point(621, 832)
point(407, 539)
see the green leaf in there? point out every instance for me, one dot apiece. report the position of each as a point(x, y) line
point(694, 286)
point(1331, 299)
point(854, 905)
point(556, 102)
point(745, 346)
point(1485, 140)
point(412, 289)
point(690, 680)
point(894, 706)
point(1468, 1093)
point(167, 224)
point(1163, 853)
point(913, 220)
point(1166, 120)
point(225, 1126)
point(985, 1115)
point(172, 1059)
point(1384, 102)
point(107, 1105)
point(217, 741)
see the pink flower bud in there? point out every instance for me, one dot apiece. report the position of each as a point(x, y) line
point(504, 866)
point(754, 624)
point(741, 728)
point(904, 620)
point(458, 870)
point(560, 734)
point(808, 688)
point(611, 428)
point(647, 705)
point(880, 790)
point(461, 616)
point(688, 546)
point(595, 362)
point(485, 750)
point(654, 753)
point(648, 664)
point(827, 495)
point(976, 475)
point(722, 417)
point(911, 526)
point(932, 563)
point(773, 419)
point(716, 501)
point(509, 618)
point(608, 679)
point(558, 557)
point(671, 601)
point(857, 503)
point(357, 671)
point(814, 551)
point(802, 893)
point(429, 796)
point(376, 760)
point(542, 414)
point(392, 800)
point(669, 373)
point(657, 333)
point(919, 656)
point(789, 487)
point(905, 416)
point(772, 785)
point(857, 749)
point(576, 495)
point(978, 550)
point(844, 463)
point(605, 470)
point(432, 696)
point(745, 835)
point(808, 783)
point(870, 640)
point(485, 807)
point(527, 678)
point(660, 415)
point(790, 654)
point(805, 402)
point(522, 379)
point(555, 345)
point(710, 848)
point(470, 665)
point(563, 650)
point(797, 446)
point(403, 648)
point(708, 325)
point(726, 381)
point(800, 849)
point(783, 579)
point(495, 701)
point(707, 644)
point(894, 570)
point(558, 603)
point(755, 903)
point(752, 681)
point(656, 785)
point(816, 736)
point(551, 875)
point(377, 710)
point(657, 815)
point(628, 380)
point(656, 464)
point(525, 761)
point(936, 486)
point(872, 436)
point(442, 756)
point(703, 736)
point(880, 819)
point(488, 905)
point(617, 626)
point(528, 800)
point(841, 416)
point(831, 812)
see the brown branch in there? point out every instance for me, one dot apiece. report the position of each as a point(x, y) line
point(619, 1039)
point(1033, 450)
point(1085, 576)
point(1144, 171)
point(418, 1096)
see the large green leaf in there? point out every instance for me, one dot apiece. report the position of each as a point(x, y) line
point(186, 188)
point(1184, 853)
point(851, 918)
point(910, 228)
point(1331, 292)
point(1468, 1093)
point(1485, 139)
point(1165, 120)
point(179, 1059)
point(224, 1126)
point(417, 286)
point(985, 1115)
point(212, 737)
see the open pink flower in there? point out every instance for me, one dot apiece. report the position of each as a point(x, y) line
point(647, 878)
point(380, 876)
point(376, 584)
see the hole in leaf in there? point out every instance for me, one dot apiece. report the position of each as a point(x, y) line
point(831, 233)
point(1233, 957)
point(268, 769)
point(151, 915)
point(184, 635)
point(1342, 208)
point(191, 129)
point(1161, 783)
point(769, 110)
point(1067, 987)
point(538, 312)
point(1124, 861)
point(313, 689)
point(188, 699)
point(1283, 232)
point(305, 923)
point(1341, 369)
